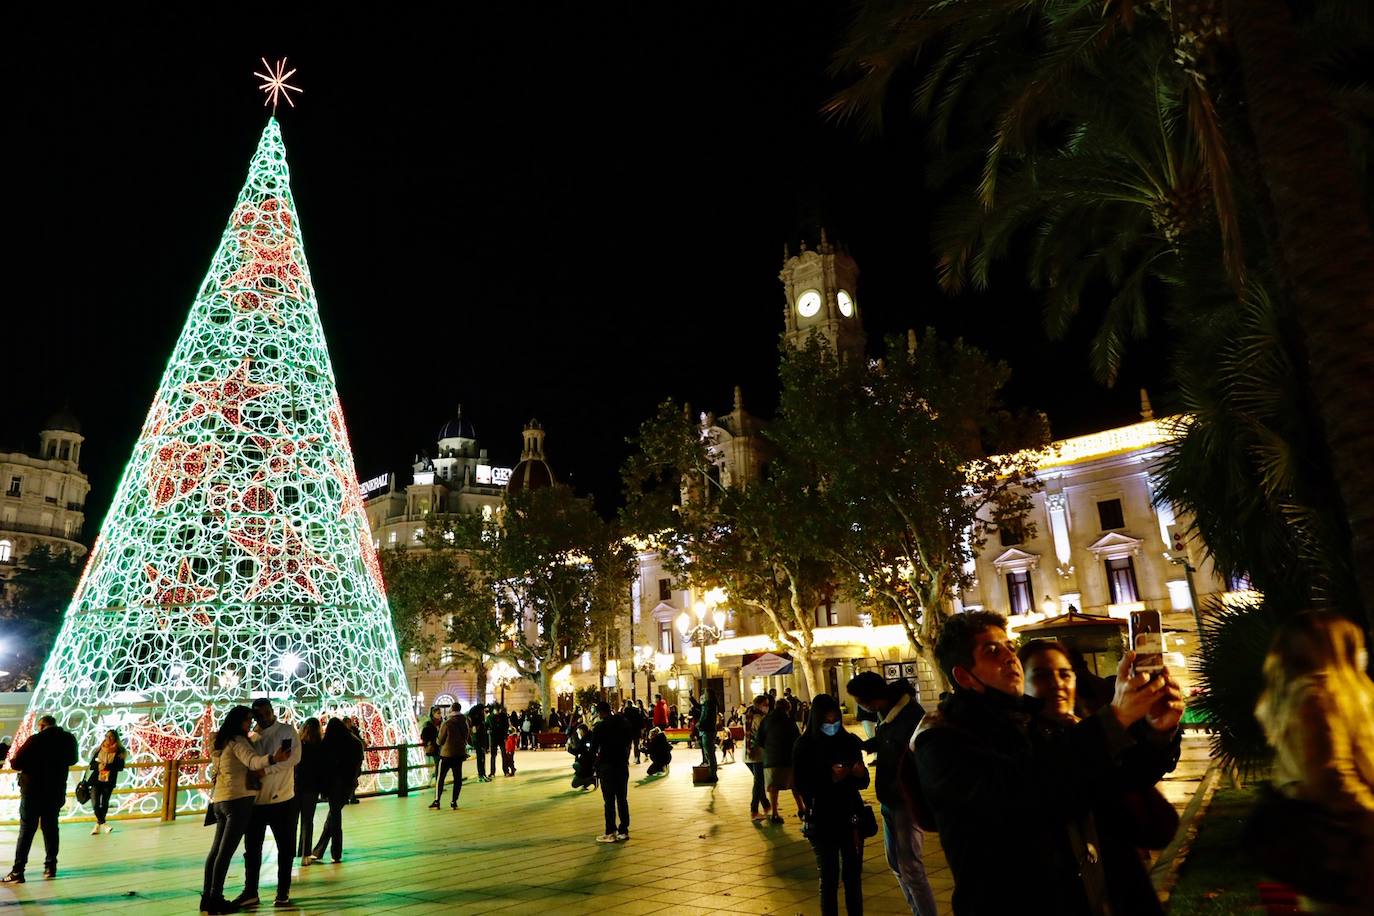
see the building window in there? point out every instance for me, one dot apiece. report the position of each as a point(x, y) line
point(665, 637)
point(832, 615)
point(6, 551)
point(446, 656)
point(66, 451)
point(415, 658)
point(1121, 581)
point(16, 486)
point(391, 538)
point(1019, 592)
point(665, 586)
point(1109, 514)
point(1011, 534)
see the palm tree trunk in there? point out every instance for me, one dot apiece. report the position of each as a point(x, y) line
point(1325, 248)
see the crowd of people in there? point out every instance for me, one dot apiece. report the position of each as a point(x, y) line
point(1036, 774)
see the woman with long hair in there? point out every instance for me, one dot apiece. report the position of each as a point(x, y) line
point(109, 759)
point(308, 784)
point(231, 761)
point(1316, 712)
point(828, 772)
point(341, 755)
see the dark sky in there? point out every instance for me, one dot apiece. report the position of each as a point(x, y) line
point(569, 213)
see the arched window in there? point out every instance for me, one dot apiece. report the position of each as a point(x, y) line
point(6, 551)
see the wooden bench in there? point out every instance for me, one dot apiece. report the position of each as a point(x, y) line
point(547, 740)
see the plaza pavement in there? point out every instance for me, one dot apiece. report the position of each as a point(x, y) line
point(519, 845)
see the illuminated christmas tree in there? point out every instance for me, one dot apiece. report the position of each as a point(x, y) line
point(235, 560)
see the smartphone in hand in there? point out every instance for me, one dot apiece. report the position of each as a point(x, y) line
point(1147, 641)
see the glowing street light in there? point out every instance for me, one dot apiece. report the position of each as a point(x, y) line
point(288, 664)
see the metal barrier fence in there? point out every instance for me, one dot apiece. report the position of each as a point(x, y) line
point(167, 789)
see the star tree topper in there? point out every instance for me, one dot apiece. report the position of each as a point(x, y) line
point(274, 83)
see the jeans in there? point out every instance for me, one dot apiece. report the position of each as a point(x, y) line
point(839, 858)
point(281, 817)
point(34, 812)
point(708, 752)
point(759, 799)
point(482, 763)
point(615, 789)
point(449, 765)
point(332, 834)
point(231, 822)
point(307, 831)
point(904, 843)
point(100, 798)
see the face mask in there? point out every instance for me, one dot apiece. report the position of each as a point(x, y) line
point(830, 728)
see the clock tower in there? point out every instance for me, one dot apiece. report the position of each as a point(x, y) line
point(819, 289)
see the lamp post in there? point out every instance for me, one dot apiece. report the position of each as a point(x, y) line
point(707, 630)
point(502, 675)
point(644, 662)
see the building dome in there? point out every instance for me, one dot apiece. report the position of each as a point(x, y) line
point(533, 472)
point(459, 427)
point(63, 421)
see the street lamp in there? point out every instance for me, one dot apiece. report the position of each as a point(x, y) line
point(503, 674)
point(644, 662)
point(709, 625)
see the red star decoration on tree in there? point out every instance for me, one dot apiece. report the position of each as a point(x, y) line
point(179, 468)
point(279, 455)
point(285, 558)
point(225, 397)
point(352, 493)
point(180, 591)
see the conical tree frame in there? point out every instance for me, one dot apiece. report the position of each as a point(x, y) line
point(236, 559)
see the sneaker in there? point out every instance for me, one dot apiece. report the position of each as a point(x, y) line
point(774, 819)
point(434, 804)
point(307, 860)
point(622, 836)
point(244, 901)
point(336, 860)
point(606, 838)
point(109, 828)
point(757, 816)
point(49, 871)
point(282, 901)
point(14, 877)
point(453, 806)
point(95, 830)
point(220, 905)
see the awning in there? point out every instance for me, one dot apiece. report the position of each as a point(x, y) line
point(766, 664)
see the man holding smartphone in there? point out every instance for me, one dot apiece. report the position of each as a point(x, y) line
point(274, 807)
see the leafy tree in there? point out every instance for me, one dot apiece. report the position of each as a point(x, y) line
point(40, 590)
point(712, 532)
point(558, 574)
point(895, 455)
point(436, 582)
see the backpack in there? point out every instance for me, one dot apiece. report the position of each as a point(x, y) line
point(909, 781)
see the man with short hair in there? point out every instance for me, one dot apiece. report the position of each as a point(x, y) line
point(41, 762)
point(275, 806)
point(610, 743)
point(895, 707)
point(453, 750)
point(1013, 802)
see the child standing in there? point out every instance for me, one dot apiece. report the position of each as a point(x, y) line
point(508, 761)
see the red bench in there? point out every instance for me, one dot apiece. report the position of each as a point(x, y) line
point(551, 739)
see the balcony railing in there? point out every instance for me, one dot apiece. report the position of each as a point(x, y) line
point(48, 530)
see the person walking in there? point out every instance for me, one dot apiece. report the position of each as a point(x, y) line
point(308, 784)
point(498, 725)
point(778, 734)
point(1315, 826)
point(707, 727)
point(477, 731)
point(351, 723)
point(429, 738)
point(829, 770)
point(341, 754)
point(453, 750)
point(232, 760)
point(610, 742)
point(42, 762)
point(275, 806)
point(109, 759)
point(895, 714)
point(753, 757)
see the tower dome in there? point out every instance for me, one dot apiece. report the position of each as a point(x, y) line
point(63, 421)
point(458, 427)
point(533, 471)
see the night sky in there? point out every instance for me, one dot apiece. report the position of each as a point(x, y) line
point(568, 215)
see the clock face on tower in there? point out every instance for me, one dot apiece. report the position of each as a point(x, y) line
point(846, 303)
point(809, 303)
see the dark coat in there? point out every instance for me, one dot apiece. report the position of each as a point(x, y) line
point(116, 764)
point(777, 735)
point(340, 761)
point(890, 741)
point(706, 725)
point(42, 762)
point(308, 771)
point(1013, 801)
point(610, 742)
point(429, 737)
point(829, 804)
point(477, 731)
point(660, 750)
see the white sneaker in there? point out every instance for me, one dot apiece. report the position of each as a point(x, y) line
point(308, 860)
point(109, 828)
point(606, 838)
point(622, 836)
point(95, 830)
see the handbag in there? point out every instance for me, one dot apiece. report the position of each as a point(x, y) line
point(865, 821)
point(1304, 844)
point(83, 791)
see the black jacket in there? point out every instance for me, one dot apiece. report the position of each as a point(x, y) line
point(829, 804)
point(340, 762)
point(610, 742)
point(890, 741)
point(1013, 801)
point(777, 735)
point(114, 767)
point(308, 772)
point(42, 763)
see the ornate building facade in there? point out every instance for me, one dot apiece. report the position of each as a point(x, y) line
point(42, 496)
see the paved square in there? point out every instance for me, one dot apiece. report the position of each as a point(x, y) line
point(519, 845)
